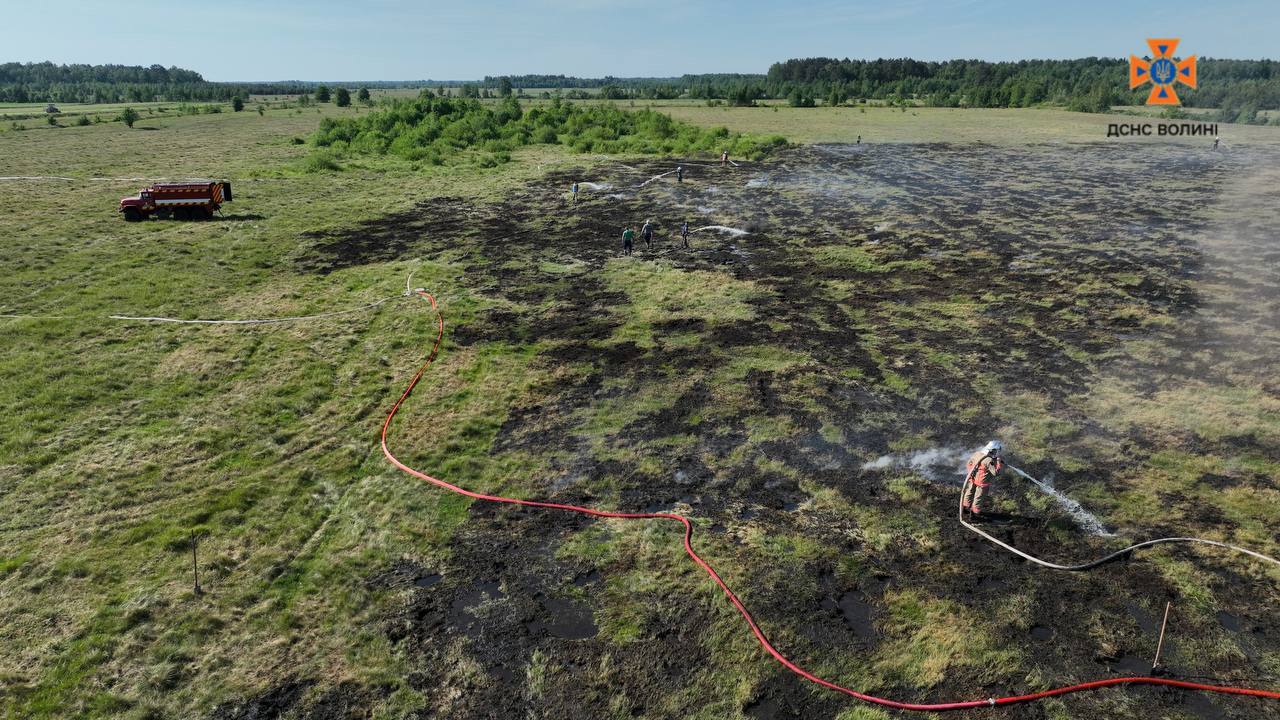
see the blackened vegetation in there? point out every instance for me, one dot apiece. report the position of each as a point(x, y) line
point(387, 239)
point(919, 284)
point(271, 704)
point(304, 699)
point(508, 597)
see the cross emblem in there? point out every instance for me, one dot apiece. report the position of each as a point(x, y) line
point(1162, 71)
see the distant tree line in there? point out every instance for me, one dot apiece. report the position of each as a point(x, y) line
point(744, 87)
point(47, 82)
point(1240, 88)
point(567, 82)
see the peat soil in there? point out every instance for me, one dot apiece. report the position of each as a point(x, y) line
point(920, 284)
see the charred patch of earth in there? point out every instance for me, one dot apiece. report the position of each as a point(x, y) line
point(385, 239)
point(911, 286)
point(268, 705)
point(345, 701)
point(511, 628)
point(786, 697)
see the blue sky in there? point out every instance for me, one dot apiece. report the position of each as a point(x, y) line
point(466, 39)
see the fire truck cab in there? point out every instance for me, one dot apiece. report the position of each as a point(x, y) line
point(187, 200)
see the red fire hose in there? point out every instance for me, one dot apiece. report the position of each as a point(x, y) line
point(764, 641)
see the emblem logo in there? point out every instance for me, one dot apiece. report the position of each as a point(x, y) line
point(1162, 72)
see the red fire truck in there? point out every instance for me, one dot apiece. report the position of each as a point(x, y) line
point(188, 200)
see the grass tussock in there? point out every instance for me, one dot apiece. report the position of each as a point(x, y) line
point(932, 638)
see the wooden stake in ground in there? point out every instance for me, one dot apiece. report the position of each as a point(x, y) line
point(195, 566)
point(1160, 642)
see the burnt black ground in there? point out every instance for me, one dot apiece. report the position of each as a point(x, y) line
point(983, 271)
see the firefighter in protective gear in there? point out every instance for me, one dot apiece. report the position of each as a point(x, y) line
point(983, 465)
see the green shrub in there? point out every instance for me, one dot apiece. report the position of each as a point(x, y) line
point(799, 99)
point(435, 128)
point(321, 161)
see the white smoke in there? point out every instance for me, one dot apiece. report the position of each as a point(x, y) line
point(936, 463)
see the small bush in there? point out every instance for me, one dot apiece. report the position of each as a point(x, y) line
point(83, 120)
point(129, 116)
point(799, 99)
point(321, 161)
point(237, 104)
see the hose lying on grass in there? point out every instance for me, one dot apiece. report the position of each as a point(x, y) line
point(263, 321)
point(737, 603)
point(1108, 558)
point(180, 321)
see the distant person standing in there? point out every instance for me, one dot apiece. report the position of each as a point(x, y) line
point(646, 232)
point(1216, 140)
point(627, 235)
point(724, 158)
point(679, 173)
point(574, 190)
point(859, 139)
point(684, 233)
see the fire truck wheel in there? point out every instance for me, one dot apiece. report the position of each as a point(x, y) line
point(131, 214)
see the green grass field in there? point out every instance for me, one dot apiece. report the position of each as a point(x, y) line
point(106, 543)
point(928, 125)
point(769, 371)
